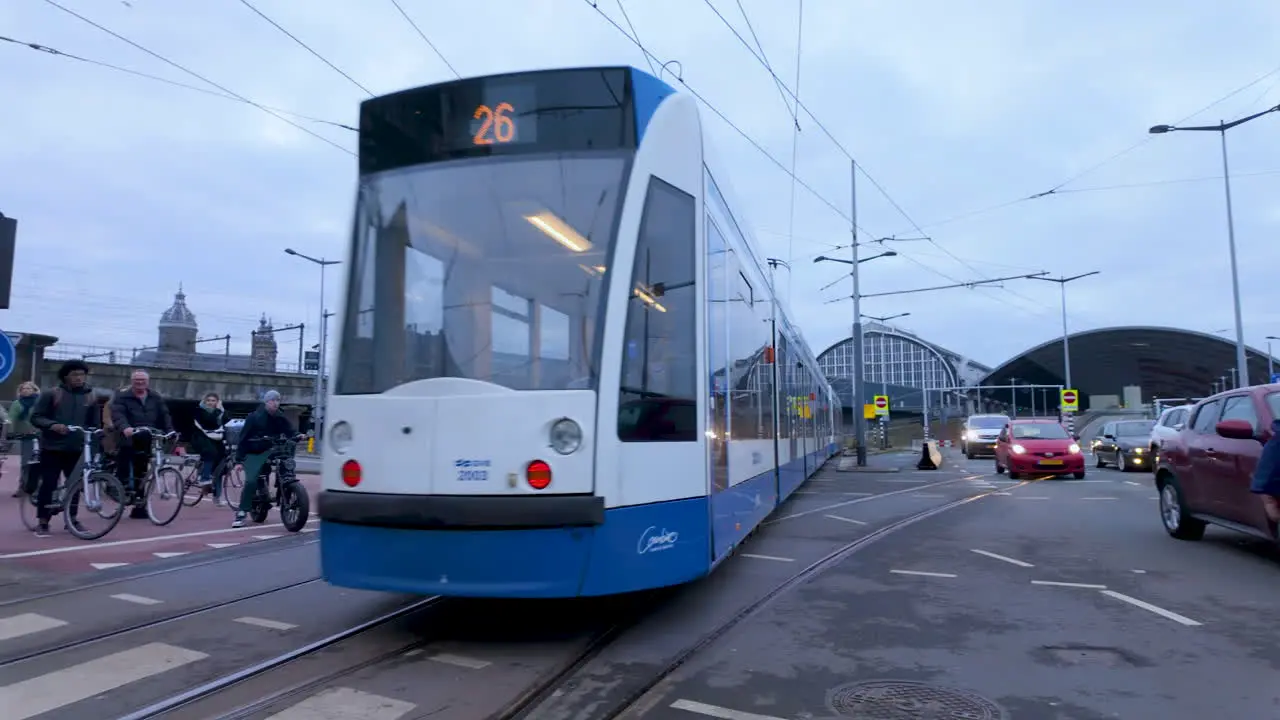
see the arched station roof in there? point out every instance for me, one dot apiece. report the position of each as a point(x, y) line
point(1164, 362)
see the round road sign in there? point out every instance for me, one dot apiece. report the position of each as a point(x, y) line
point(882, 402)
point(1069, 397)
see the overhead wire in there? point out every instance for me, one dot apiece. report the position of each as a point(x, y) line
point(652, 68)
point(48, 50)
point(795, 150)
point(845, 151)
point(306, 47)
point(426, 39)
point(198, 76)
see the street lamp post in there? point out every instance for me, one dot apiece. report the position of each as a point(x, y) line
point(1271, 359)
point(1242, 360)
point(1066, 340)
point(317, 420)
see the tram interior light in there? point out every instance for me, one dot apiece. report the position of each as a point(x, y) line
point(559, 230)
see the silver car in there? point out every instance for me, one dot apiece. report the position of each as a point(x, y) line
point(980, 433)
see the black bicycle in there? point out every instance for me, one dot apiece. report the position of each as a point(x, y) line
point(278, 486)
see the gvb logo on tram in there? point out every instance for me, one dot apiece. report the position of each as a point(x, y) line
point(557, 334)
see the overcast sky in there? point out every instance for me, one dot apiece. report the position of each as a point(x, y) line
point(125, 186)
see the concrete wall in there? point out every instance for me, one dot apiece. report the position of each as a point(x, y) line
point(192, 384)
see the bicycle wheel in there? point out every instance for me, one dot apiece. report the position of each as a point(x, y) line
point(232, 484)
point(295, 506)
point(166, 487)
point(93, 499)
point(27, 510)
point(192, 491)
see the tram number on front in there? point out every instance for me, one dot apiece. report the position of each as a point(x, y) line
point(496, 125)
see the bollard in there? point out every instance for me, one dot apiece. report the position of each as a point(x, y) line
point(930, 456)
point(311, 444)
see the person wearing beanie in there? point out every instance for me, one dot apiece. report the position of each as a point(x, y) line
point(72, 402)
point(254, 449)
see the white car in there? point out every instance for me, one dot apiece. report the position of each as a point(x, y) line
point(980, 433)
point(1171, 420)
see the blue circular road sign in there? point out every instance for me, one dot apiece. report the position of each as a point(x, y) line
point(8, 356)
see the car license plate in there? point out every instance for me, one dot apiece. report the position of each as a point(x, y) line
point(1050, 462)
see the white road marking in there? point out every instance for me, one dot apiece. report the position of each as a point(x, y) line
point(107, 566)
point(843, 503)
point(716, 711)
point(1009, 560)
point(137, 599)
point(263, 622)
point(1054, 583)
point(309, 529)
point(922, 573)
point(1074, 482)
point(928, 495)
point(1167, 614)
point(43, 693)
point(1002, 493)
point(81, 547)
point(219, 546)
point(845, 519)
point(767, 557)
point(461, 661)
point(1130, 482)
point(1098, 498)
point(266, 537)
point(167, 555)
point(1140, 572)
point(346, 704)
point(413, 652)
point(806, 492)
point(27, 624)
point(1032, 497)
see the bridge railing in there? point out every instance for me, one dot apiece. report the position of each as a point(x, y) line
point(150, 357)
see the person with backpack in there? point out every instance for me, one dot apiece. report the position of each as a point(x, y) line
point(72, 402)
point(20, 426)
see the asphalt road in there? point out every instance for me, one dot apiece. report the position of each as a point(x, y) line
point(1059, 600)
point(1077, 607)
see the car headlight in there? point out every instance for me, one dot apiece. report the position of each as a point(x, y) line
point(970, 435)
point(1018, 449)
point(340, 436)
point(1074, 448)
point(1138, 451)
point(566, 436)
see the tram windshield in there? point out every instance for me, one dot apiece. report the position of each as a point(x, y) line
point(488, 269)
point(484, 230)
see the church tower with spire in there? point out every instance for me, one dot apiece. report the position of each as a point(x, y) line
point(265, 352)
point(178, 328)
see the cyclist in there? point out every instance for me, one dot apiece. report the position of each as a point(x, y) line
point(135, 407)
point(72, 402)
point(20, 426)
point(254, 449)
point(207, 442)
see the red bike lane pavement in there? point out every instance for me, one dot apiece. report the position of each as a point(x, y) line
point(203, 528)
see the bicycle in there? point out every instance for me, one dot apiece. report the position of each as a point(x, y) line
point(287, 493)
point(194, 492)
point(83, 494)
point(161, 479)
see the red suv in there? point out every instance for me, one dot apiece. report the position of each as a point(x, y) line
point(1038, 446)
point(1204, 471)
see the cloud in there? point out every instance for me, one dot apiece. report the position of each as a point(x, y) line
point(125, 187)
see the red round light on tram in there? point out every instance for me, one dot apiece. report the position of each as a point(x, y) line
point(351, 474)
point(538, 475)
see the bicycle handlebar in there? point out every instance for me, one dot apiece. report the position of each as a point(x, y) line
point(77, 428)
point(156, 431)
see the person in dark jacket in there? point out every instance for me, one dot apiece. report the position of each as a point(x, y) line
point(207, 442)
point(254, 449)
point(1266, 476)
point(137, 407)
point(72, 402)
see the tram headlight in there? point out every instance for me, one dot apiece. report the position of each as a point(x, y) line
point(340, 436)
point(566, 436)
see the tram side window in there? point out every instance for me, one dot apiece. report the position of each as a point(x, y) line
point(658, 396)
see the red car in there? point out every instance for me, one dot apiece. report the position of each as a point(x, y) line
point(1038, 446)
point(1205, 469)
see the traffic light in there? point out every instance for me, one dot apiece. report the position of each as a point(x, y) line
point(8, 239)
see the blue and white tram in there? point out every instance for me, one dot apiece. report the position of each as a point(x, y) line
point(562, 371)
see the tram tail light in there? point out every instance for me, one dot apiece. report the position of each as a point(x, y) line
point(538, 475)
point(351, 473)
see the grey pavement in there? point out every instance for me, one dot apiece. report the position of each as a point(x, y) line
point(1081, 608)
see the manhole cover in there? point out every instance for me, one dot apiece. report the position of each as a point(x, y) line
point(903, 700)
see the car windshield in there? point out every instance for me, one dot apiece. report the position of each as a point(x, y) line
point(1134, 428)
point(988, 422)
point(1039, 431)
point(485, 269)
